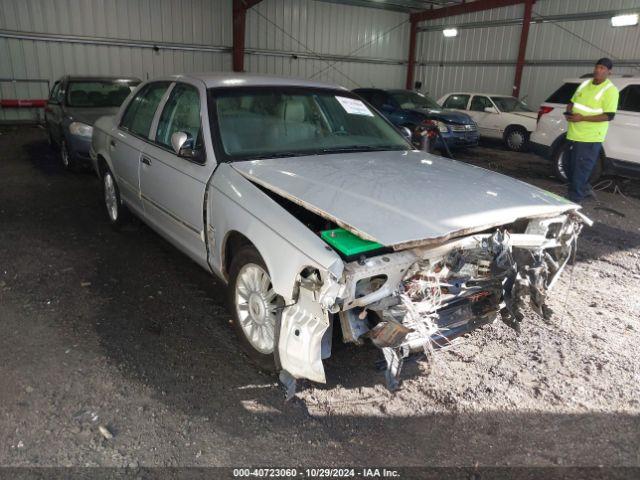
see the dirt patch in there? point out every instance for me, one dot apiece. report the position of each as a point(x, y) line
point(119, 330)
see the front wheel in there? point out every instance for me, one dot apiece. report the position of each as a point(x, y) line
point(115, 210)
point(255, 307)
point(560, 159)
point(65, 156)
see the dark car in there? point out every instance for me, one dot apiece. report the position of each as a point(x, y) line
point(406, 108)
point(74, 104)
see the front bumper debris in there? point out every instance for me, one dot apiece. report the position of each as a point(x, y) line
point(419, 299)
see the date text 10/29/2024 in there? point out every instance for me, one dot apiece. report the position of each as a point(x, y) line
point(315, 473)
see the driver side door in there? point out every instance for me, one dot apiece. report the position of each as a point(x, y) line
point(488, 123)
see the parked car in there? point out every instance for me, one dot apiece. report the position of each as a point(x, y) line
point(74, 104)
point(413, 110)
point(498, 116)
point(314, 209)
point(621, 150)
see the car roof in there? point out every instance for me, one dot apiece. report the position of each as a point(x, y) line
point(618, 80)
point(480, 93)
point(232, 79)
point(75, 78)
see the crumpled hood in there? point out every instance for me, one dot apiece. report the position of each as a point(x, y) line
point(89, 115)
point(399, 198)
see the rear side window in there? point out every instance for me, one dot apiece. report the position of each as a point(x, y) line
point(139, 115)
point(181, 114)
point(458, 102)
point(630, 99)
point(563, 94)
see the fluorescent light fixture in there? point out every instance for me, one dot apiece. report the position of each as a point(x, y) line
point(624, 20)
point(450, 32)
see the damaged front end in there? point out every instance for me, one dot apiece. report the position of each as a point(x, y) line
point(419, 298)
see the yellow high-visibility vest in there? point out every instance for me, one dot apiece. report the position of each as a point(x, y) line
point(590, 100)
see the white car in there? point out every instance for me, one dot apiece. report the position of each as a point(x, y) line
point(621, 149)
point(498, 116)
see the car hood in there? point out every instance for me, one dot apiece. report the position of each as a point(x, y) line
point(449, 116)
point(402, 199)
point(89, 115)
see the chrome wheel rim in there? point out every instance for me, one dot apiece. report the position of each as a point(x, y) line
point(64, 153)
point(110, 197)
point(257, 307)
point(561, 167)
point(516, 140)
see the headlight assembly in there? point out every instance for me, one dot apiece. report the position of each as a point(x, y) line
point(80, 129)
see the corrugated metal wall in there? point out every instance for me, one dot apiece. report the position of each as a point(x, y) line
point(308, 30)
point(277, 32)
point(190, 22)
point(349, 45)
point(486, 57)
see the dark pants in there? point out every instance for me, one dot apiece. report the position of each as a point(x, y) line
point(582, 158)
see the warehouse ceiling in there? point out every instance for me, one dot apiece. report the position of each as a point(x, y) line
point(409, 6)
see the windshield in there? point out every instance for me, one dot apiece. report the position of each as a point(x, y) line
point(409, 100)
point(272, 122)
point(98, 93)
point(510, 104)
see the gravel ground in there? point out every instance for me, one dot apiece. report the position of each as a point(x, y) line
point(119, 332)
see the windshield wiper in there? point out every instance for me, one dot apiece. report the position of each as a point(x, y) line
point(278, 155)
point(361, 148)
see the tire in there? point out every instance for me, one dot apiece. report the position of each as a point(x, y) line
point(516, 139)
point(254, 307)
point(559, 158)
point(116, 211)
point(66, 157)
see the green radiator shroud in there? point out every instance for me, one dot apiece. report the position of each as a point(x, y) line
point(347, 243)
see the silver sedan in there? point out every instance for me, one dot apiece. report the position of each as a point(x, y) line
point(317, 212)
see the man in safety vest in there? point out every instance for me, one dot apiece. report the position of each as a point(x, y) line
point(589, 112)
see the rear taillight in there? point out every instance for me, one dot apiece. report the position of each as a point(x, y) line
point(543, 111)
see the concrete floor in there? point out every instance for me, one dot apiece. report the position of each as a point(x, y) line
point(119, 330)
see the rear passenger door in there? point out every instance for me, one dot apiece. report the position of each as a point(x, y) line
point(129, 139)
point(622, 141)
point(172, 186)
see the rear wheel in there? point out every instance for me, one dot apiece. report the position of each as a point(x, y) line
point(255, 307)
point(116, 212)
point(560, 159)
point(516, 138)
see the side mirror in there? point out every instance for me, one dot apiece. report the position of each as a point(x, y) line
point(490, 109)
point(406, 133)
point(182, 143)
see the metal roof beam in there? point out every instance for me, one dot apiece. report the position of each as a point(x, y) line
point(462, 8)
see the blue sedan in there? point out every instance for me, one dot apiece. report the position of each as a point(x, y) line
point(406, 108)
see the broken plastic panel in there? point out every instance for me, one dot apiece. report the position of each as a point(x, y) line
point(347, 243)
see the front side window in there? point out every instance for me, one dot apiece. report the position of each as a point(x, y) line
point(287, 121)
point(458, 102)
point(181, 114)
point(410, 100)
point(630, 99)
point(510, 104)
point(140, 111)
point(97, 94)
point(479, 103)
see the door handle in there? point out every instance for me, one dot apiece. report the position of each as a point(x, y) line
point(146, 161)
point(112, 143)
